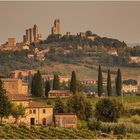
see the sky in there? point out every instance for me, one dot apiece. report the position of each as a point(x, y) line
point(120, 19)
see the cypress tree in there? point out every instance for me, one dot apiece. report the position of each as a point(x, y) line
point(73, 82)
point(109, 87)
point(100, 82)
point(56, 83)
point(47, 88)
point(37, 87)
point(5, 105)
point(119, 83)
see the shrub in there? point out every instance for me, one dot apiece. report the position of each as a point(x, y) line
point(22, 125)
point(120, 129)
point(135, 119)
point(82, 124)
point(93, 124)
point(108, 110)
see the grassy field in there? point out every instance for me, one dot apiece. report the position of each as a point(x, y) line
point(88, 73)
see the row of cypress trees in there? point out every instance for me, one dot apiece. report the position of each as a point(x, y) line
point(37, 84)
point(118, 83)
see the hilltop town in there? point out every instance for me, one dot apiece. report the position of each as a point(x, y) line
point(64, 83)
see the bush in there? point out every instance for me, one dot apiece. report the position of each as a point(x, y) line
point(82, 124)
point(131, 112)
point(93, 124)
point(120, 129)
point(22, 125)
point(108, 110)
point(135, 119)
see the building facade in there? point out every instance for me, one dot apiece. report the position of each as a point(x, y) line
point(66, 120)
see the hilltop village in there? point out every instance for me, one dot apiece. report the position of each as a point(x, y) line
point(83, 83)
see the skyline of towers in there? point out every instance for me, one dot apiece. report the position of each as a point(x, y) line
point(56, 28)
point(31, 35)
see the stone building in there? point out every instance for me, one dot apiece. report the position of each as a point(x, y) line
point(56, 27)
point(59, 93)
point(66, 120)
point(130, 86)
point(15, 86)
point(11, 42)
point(35, 113)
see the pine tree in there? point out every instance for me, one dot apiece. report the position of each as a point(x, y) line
point(73, 82)
point(100, 82)
point(109, 87)
point(119, 83)
point(5, 105)
point(47, 88)
point(37, 87)
point(56, 83)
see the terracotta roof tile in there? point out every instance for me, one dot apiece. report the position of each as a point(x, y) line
point(33, 104)
point(17, 97)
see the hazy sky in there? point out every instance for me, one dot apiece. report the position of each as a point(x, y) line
point(119, 20)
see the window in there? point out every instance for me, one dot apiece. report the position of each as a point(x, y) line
point(34, 111)
point(30, 111)
point(44, 110)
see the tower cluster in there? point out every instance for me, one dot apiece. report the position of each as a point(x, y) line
point(31, 35)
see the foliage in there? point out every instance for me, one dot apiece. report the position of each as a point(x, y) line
point(120, 129)
point(135, 119)
point(36, 86)
point(109, 88)
point(5, 105)
point(108, 110)
point(119, 83)
point(73, 82)
point(17, 111)
point(80, 105)
point(59, 106)
point(47, 87)
point(56, 82)
point(93, 124)
point(100, 82)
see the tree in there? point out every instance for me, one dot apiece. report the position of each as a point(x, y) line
point(5, 105)
point(56, 83)
point(47, 87)
point(36, 86)
point(88, 33)
point(119, 83)
point(108, 110)
point(109, 87)
point(73, 82)
point(59, 106)
point(79, 104)
point(100, 82)
point(17, 111)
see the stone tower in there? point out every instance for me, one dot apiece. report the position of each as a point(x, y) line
point(56, 27)
point(35, 32)
point(31, 35)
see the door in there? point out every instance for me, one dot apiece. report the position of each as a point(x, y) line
point(44, 121)
point(32, 121)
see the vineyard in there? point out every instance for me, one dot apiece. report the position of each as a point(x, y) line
point(14, 132)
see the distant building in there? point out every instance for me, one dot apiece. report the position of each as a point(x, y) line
point(129, 86)
point(59, 93)
point(66, 120)
point(135, 59)
point(32, 35)
point(112, 52)
point(56, 27)
point(88, 81)
point(92, 37)
point(11, 42)
point(22, 73)
point(15, 86)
